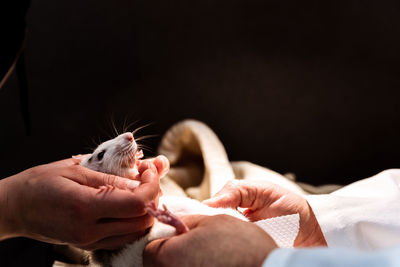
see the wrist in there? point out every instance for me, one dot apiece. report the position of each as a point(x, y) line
point(310, 233)
point(8, 226)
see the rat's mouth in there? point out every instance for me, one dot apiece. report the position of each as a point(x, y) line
point(128, 156)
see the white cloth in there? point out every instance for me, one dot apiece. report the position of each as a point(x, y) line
point(363, 215)
point(361, 224)
point(333, 257)
point(282, 229)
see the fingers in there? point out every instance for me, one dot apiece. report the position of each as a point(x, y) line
point(116, 227)
point(150, 184)
point(162, 165)
point(77, 159)
point(66, 162)
point(95, 179)
point(243, 194)
point(160, 162)
point(145, 165)
point(117, 203)
point(153, 255)
point(74, 160)
point(228, 197)
point(127, 204)
point(159, 166)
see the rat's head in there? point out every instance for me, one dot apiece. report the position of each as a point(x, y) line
point(116, 156)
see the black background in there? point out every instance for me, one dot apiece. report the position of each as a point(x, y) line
point(310, 87)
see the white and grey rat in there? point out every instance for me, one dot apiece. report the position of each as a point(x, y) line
point(121, 156)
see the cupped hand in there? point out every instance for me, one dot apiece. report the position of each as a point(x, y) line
point(220, 240)
point(264, 200)
point(60, 203)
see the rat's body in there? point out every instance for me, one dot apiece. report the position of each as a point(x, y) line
point(121, 156)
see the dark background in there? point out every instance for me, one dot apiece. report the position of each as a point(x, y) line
point(308, 87)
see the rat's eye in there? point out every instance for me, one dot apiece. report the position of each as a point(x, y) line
point(101, 155)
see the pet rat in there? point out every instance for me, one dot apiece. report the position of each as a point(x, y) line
point(121, 156)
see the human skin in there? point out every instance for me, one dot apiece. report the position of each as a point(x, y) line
point(219, 240)
point(60, 203)
point(264, 200)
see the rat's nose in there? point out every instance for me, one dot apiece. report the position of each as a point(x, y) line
point(128, 136)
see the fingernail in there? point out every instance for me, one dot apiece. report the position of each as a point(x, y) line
point(210, 200)
point(247, 212)
point(146, 164)
point(215, 200)
point(132, 184)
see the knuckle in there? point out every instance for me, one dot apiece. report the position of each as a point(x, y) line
point(79, 171)
point(76, 168)
point(35, 171)
point(232, 184)
point(109, 179)
point(229, 184)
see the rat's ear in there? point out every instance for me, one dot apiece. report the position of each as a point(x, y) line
point(77, 159)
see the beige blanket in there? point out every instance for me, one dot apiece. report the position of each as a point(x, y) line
point(200, 166)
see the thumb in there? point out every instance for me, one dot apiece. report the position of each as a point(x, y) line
point(228, 197)
point(223, 201)
point(96, 179)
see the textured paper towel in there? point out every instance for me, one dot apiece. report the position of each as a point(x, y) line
point(282, 229)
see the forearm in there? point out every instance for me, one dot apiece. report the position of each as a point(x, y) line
point(7, 224)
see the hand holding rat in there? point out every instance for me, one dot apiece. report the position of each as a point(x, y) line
point(265, 200)
point(219, 240)
point(60, 203)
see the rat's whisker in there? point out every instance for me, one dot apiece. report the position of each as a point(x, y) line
point(146, 148)
point(114, 128)
point(98, 137)
point(88, 148)
point(125, 126)
point(141, 127)
point(130, 125)
point(106, 133)
point(143, 145)
point(149, 150)
point(146, 137)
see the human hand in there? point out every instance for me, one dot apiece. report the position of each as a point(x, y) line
point(220, 240)
point(266, 200)
point(60, 203)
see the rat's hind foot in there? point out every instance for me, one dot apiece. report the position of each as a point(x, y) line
point(165, 216)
